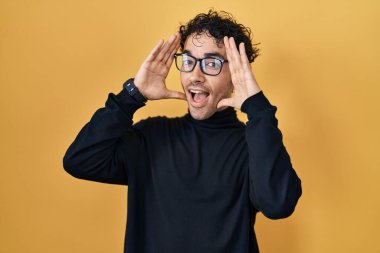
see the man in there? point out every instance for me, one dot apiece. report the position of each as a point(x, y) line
point(196, 182)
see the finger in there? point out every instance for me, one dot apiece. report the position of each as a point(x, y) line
point(243, 57)
point(229, 54)
point(225, 102)
point(165, 48)
point(227, 46)
point(170, 50)
point(171, 58)
point(235, 52)
point(226, 43)
point(174, 46)
point(175, 94)
point(232, 48)
point(154, 51)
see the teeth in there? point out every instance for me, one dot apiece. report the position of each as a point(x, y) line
point(197, 91)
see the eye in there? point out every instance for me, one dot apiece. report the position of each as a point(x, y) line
point(213, 63)
point(187, 61)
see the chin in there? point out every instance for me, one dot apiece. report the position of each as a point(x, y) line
point(201, 113)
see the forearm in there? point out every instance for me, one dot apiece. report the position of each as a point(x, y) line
point(95, 153)
point(274, 185)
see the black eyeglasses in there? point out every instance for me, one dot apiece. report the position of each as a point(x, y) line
point(209, 65)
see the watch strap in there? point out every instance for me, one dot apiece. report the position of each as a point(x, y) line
point(130, 86)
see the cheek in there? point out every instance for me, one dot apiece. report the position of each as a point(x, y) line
point(184, 78)
point(227, 83)
point(225, 74)
point(222, 89)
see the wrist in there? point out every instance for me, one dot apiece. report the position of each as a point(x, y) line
point(140, 86)
point(134, 91)
point(252, 90)
point(255, 103)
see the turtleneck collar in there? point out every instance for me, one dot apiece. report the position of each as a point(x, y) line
point(226, 118)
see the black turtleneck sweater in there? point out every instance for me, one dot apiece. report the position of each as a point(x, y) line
point(194, 186)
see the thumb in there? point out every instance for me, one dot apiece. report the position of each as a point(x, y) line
point(225, 102)
point(175, 94)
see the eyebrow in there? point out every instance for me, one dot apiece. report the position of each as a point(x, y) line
point(205, 54)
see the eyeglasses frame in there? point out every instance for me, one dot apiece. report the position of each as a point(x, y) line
point(200, 62)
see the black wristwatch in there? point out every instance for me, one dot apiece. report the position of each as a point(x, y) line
point(130, 86)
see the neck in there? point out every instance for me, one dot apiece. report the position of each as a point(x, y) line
point(227, 118)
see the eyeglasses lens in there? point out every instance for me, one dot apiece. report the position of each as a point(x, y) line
point(210, 66)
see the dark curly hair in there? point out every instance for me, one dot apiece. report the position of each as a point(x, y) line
point(218, 25)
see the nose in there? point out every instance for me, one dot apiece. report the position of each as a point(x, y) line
point(197, 74)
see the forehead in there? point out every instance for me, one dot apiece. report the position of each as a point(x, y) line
point(201, 45)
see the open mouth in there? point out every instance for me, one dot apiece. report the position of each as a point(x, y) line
point(199, 97)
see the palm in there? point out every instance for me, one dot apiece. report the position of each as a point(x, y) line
point(242, 77)
point(150, 78)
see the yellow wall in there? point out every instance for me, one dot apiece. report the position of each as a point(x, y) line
point(60, 59)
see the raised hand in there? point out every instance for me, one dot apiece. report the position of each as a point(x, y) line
point(150, 78)
point(243, 80)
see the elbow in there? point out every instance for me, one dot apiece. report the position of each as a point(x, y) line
point(278, 212)
point(283, 208)
point(70, 167)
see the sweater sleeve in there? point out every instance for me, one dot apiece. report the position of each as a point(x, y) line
point(101, 150)
point(274, 185)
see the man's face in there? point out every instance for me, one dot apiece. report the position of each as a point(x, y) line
point(211, 89)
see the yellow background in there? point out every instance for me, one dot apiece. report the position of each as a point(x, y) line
point(319, 65)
